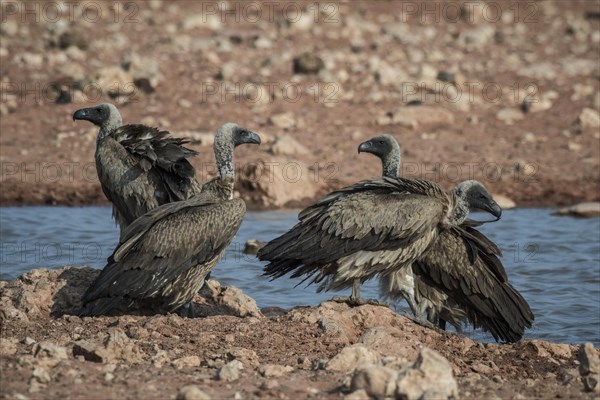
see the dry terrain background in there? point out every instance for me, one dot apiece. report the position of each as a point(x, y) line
point(505, 92)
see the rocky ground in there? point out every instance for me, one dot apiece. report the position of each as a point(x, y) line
point(508, 94)
point(238, 351)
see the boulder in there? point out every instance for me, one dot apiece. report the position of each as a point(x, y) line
point(581, 210)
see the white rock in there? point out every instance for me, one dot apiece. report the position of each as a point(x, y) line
point(429, 378)
point(286, 145)
point(275, 371)
point(589, 118)
point(192, 392)
point(231, 371)
point(283, 121)
point(350, 358)
point(509, 115)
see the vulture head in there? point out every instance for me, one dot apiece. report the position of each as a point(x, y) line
point(233, 135)
point(477, 197)
point(228, 137)
point(106, 116)
point(387, 149)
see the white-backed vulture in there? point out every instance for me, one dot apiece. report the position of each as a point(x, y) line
point(460, 277)
point(164, 256)
point(139, 167)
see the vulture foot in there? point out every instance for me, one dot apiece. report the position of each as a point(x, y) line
point(356, 302)
point(425, 323)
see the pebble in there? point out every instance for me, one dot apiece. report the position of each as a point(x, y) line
point(192, 392)
point(231, 371)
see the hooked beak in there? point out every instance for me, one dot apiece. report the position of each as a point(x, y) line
point(254, 138)
point(365, 147)
point(82, 114)
point(493, 208)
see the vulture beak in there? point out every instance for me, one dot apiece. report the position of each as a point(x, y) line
point(493, 208)
point(365, 147)
point(81, 114)
point(254, 138)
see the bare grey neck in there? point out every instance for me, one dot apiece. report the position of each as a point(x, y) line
point(223, 148)
point(391, 163)
point(113, 123)
point(461, 211)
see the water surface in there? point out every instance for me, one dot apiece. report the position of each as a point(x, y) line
point(553, 261)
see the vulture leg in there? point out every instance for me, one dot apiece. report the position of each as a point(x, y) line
point(187, 310)
point(442, 324)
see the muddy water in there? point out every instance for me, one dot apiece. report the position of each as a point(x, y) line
point(553, 261)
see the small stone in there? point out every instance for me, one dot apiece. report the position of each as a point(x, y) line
point(308, 63)
point(90, 351)
point(72, 38)
point(185, 103)
point(192, 392)
point(50, 350)
point(430, 377)
point(360, 394)
point(269, 384)
point(274, 371)
point(351, 357)
point(589, 118)
point(231, 371)
point(509, 115)
point(186, 362)
point(9, 28)
point(286, 145)
point(377, 381)
point(42, 375)
point(283, 121)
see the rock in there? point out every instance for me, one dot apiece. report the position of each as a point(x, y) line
point(9, 28)
point(588, 119)
point(144, 71)
point(275, 371)
point(413, 116)
point(72, 38)
point(186, 362)
point(8, 346)
point(231, 371)
point(509, 115)
point(542, 70)
point(197, 138)
point(192, 392)
point(112, 81)
point(282, 183)
point(350, 358)
point(41, 375)
point(589, 367)
point(184, 103)
point(252, 246)
point(582, 210)
point(377, 381)
point(245, 356)
point(269, 384)
point(477, 37)
point(307, 63)
point(429, 378)
point(48, 349)
point(286, 145)
point(504, 202)
point(90, 351)
point(360, 394)
point(284, 121)
point(228, 300)
point(204, 20)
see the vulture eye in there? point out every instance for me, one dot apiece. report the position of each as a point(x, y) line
point(381, 142)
